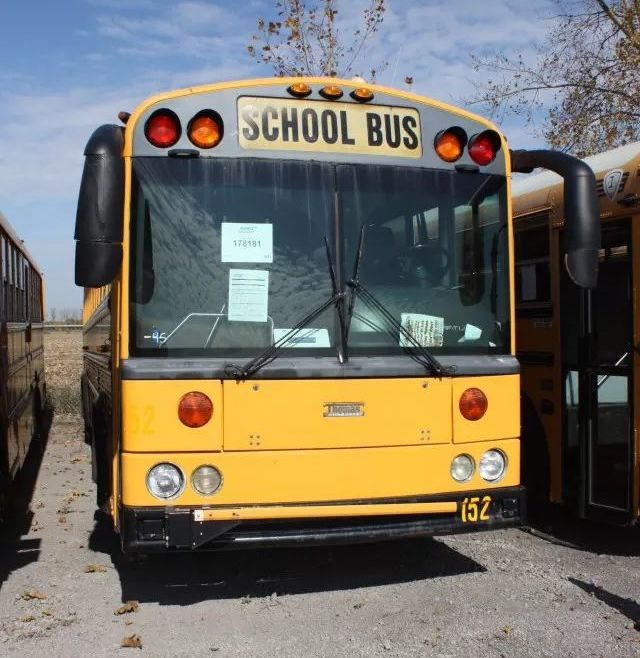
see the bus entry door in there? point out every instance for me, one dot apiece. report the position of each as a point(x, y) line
point(598, 384)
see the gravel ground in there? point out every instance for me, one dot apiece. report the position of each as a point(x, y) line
point(504, 593)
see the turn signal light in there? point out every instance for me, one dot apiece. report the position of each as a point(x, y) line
point(473, 404)
point(299, 89)
point(331, 92)
point(484, 147)
point(205, 129)
point(195, 409)
point(450, 143)
point(162, 129)
point(362, 95)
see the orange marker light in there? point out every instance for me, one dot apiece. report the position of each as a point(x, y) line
point(299, 89)
point(362, 95)
point(331, 92)
point(449, 144)
point(473, 404)
point(195, 409)
point(205, 129)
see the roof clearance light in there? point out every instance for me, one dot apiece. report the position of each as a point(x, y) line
point(473, 404)
point(205, 129)
point(484, 147)
point(362, 95)
point(299, 89)
point(195, 409)
point(449, 144)
point(331, 92)
point(163, 129)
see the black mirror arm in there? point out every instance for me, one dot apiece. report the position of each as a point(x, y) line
point(581, 212)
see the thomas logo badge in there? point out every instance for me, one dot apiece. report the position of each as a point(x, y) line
point(611, 183)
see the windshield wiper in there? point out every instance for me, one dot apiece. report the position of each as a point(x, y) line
point(414, 349)
point(270, 353)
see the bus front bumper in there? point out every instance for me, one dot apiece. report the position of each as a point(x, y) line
point(159, 529)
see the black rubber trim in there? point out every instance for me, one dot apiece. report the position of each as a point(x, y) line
point(316, 367)
point(536, 358)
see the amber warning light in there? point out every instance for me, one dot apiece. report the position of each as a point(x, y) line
point(473, 404)
point(205, 129)
point(195, 409)
point(450, 143)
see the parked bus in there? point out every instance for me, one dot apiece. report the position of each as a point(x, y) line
point(299, 315)
point(22, 382)
point(579, 348)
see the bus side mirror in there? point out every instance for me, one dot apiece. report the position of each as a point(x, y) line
point(581, 214)
point(100, 212)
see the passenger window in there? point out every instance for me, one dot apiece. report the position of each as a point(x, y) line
point(533, 276)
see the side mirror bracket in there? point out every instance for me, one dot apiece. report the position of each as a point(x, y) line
point(581, 214)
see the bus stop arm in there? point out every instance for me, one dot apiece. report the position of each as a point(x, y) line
point(581, 215)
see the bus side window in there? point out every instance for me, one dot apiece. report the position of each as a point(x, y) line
point(533, 276)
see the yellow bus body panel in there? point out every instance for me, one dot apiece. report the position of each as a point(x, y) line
point(150, 416)
point(502, 417)
point(292, 414)
point(308, 476)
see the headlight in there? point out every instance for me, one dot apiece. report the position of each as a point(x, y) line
point(165, 481)
point(462, 468)
point(492, 465)
point(206, 480)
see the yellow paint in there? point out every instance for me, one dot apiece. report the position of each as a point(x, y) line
point(325, 476)
point(324, 511)
point(330, 127)
point(150, 416)
point(503, 413)
point(286, 414)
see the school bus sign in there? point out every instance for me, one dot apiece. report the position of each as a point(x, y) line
point(282, 124)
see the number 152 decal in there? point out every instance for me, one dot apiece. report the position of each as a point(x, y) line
point(474, 509)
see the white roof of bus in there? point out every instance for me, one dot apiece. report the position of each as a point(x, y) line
point(15, 238)
point(600, 163)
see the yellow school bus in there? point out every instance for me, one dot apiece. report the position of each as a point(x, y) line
point(579, 348)
point(22, 381)
point(299, 315)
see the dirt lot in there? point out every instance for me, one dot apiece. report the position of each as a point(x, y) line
point(507, 593)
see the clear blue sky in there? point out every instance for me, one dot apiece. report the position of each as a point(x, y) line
point(70, 65)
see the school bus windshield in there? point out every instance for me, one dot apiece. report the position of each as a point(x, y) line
point(229, 254)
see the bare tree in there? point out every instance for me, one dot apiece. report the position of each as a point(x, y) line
point(307, 39)
point(585, 78)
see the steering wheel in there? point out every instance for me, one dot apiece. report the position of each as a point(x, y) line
point(432, 258)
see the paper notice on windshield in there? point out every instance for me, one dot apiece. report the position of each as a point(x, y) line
point(248, 295)
point(427, 330)
point(471, 332)
point(306, 337)
point(246, 243)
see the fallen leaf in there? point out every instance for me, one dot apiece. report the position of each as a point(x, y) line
point(129, 606)
point(47, 613)
point(95, 568)
point(34, 594)
point(128, 622)
point(62, 518)
point(132, 642)
point(507, 629)
point(27, 618)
